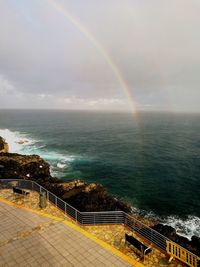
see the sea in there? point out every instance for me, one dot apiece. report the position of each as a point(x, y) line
point(150, 160)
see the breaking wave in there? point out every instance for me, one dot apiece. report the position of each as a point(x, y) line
point(185, 227)
point(60, 165)
point(21, 142)
point(17, 141)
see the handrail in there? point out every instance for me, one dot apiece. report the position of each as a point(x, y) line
point(48, 191)
point(90, 212)
point(145, 225)
point(96, 218)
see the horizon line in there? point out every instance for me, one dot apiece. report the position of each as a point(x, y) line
point(100, 110)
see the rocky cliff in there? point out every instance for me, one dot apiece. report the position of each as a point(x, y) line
point(23, 167)
point(83, 196)
point(3, 145)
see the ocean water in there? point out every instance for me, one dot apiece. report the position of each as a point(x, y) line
point(152, 161)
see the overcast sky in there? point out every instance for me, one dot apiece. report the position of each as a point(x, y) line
point(60, 54)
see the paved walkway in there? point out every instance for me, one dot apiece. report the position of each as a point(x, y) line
point(29, 239)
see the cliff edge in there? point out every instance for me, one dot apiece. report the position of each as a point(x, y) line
point(81, 195)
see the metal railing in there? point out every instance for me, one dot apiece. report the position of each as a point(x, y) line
point(151, 236)
point(96, 218)
point(84, 218)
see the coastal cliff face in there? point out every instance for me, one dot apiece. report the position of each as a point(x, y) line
point(81, 195)
point(3, 145)
point(16, 166)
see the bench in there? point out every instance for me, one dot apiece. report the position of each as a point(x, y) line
point(137, 244)
point(20, 191)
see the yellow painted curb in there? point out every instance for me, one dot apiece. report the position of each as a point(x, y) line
point(105, 245)
point(31, 210)
point(80, 230)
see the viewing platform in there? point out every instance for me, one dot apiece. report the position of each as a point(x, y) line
point(30, 239)
point(31, 236)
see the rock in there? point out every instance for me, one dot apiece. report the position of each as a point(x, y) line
point(96, 198)
point(3, 145)
point(23, 167)
point(21, 142)
point(195, 245)
point(165, 230)
point(90, 187)
point(195, 241)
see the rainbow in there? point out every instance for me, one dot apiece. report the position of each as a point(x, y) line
point(101, 50)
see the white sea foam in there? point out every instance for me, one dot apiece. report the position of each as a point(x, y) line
point(185, 227)
point(60, 165)
point(17, 141)
point(20, 142)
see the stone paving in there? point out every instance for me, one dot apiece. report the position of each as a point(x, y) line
point(31, 201)
point(28, 239)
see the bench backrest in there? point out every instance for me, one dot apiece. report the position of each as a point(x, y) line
point(136, 243)
point(20, 191)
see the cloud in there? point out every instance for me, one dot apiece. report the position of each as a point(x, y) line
point(89, 103)
point(6, 87)
point(26, 100)
point(153, 44)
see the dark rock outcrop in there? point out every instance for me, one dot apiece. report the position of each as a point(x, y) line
point(192, 245)
point(3, 145)
point(16, 166)
point(96, 198)
point(83, 196)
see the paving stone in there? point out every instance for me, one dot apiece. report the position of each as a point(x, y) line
point(31, 240)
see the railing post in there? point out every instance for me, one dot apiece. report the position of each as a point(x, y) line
point(76, 215)
point(65, 209)
point(134, 224)
point(48, 198)
point(124, 215)
point(56, 201)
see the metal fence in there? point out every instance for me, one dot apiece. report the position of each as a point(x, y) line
point(84, 218)
point(151, 236)
point(94, 218)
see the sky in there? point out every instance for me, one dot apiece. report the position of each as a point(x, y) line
point(124, 55)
